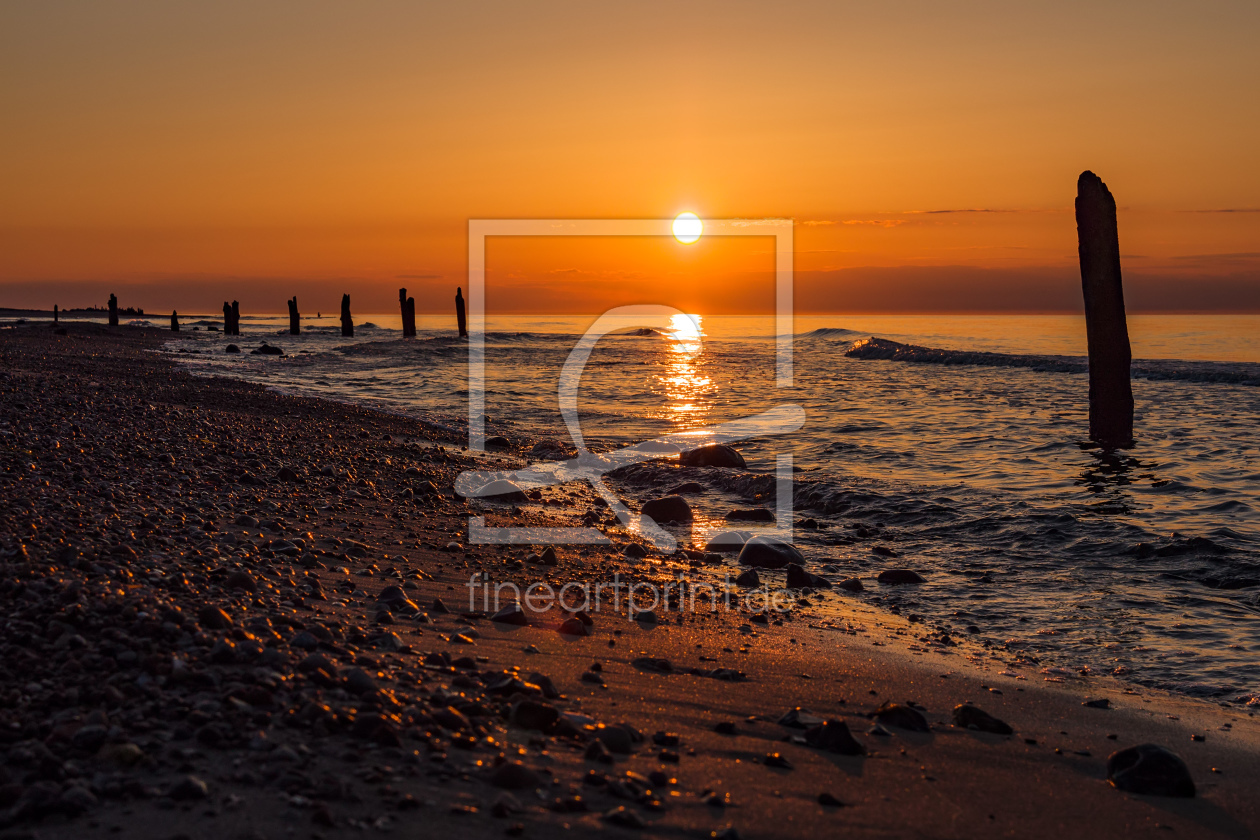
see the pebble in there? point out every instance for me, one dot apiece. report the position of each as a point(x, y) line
point(189, 788)
point(798, 578)
point(513, 775)
point(511, 614)
point(834, 736)
point(1151, 770)
point(902, 717)
point(534, 715)
point(968, 716)
point(623, 817)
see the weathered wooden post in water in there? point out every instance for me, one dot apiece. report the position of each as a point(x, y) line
point(113, 311)
point(55, 313)
point(174, 321)
point(408, 306)
point(227, 318)
point(295, 320)
point(236, 318)
point(460, 315)
point(347, 323)
point(1110, 391)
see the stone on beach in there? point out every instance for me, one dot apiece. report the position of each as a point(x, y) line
point(798, 578)
point(968, 716)
point(501, 490)
point(511, 614)
point(834, 736)
point(902, 717)
point(513, 775)
point(1151, 770)
point(769, 553)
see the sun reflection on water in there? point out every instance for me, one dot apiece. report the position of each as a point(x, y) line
point(683, 383)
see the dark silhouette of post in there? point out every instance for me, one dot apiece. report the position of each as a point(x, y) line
point(408, 306)
point(236, 318)
point(174, 321)
point(347, 323)
point(1110, 391)
point(55, 313)
point(113, 311)
point(295, 320)
point(460, 315)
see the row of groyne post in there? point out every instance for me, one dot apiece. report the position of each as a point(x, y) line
point(232, 315)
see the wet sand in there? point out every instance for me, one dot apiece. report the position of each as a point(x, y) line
point(193, 646)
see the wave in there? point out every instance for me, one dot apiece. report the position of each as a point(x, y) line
point(1230, 373)
point(828, 332)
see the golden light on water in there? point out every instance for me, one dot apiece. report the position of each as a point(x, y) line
point(687, 228)
point(684, 384)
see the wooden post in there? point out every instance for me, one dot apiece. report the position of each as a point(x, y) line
point(1110, 390)
point(236, 318)
point(347, 323)
point(55, 313)
point(295, 320)
point(460, 315)
point(408, 306)
point(113, 311)
point(174, 321)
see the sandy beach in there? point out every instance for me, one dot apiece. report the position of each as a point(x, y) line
point(232, 613)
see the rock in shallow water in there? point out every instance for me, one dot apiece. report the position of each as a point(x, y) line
point(668, 509)
point(718, 455)
point(727, 541)
point(750, 515)
point(1151, 770)
point(898, 576)
point(769, 553)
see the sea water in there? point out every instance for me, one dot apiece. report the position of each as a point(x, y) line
point(1142, 563)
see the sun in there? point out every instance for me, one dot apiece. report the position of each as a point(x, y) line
point(687, 228)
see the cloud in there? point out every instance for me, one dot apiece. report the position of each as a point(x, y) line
point(980, 210)
point(419, 276)
point(888, 223)
point(1225, 210)
point(772, 222)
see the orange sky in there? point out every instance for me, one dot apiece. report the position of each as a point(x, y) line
point(178, 154)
